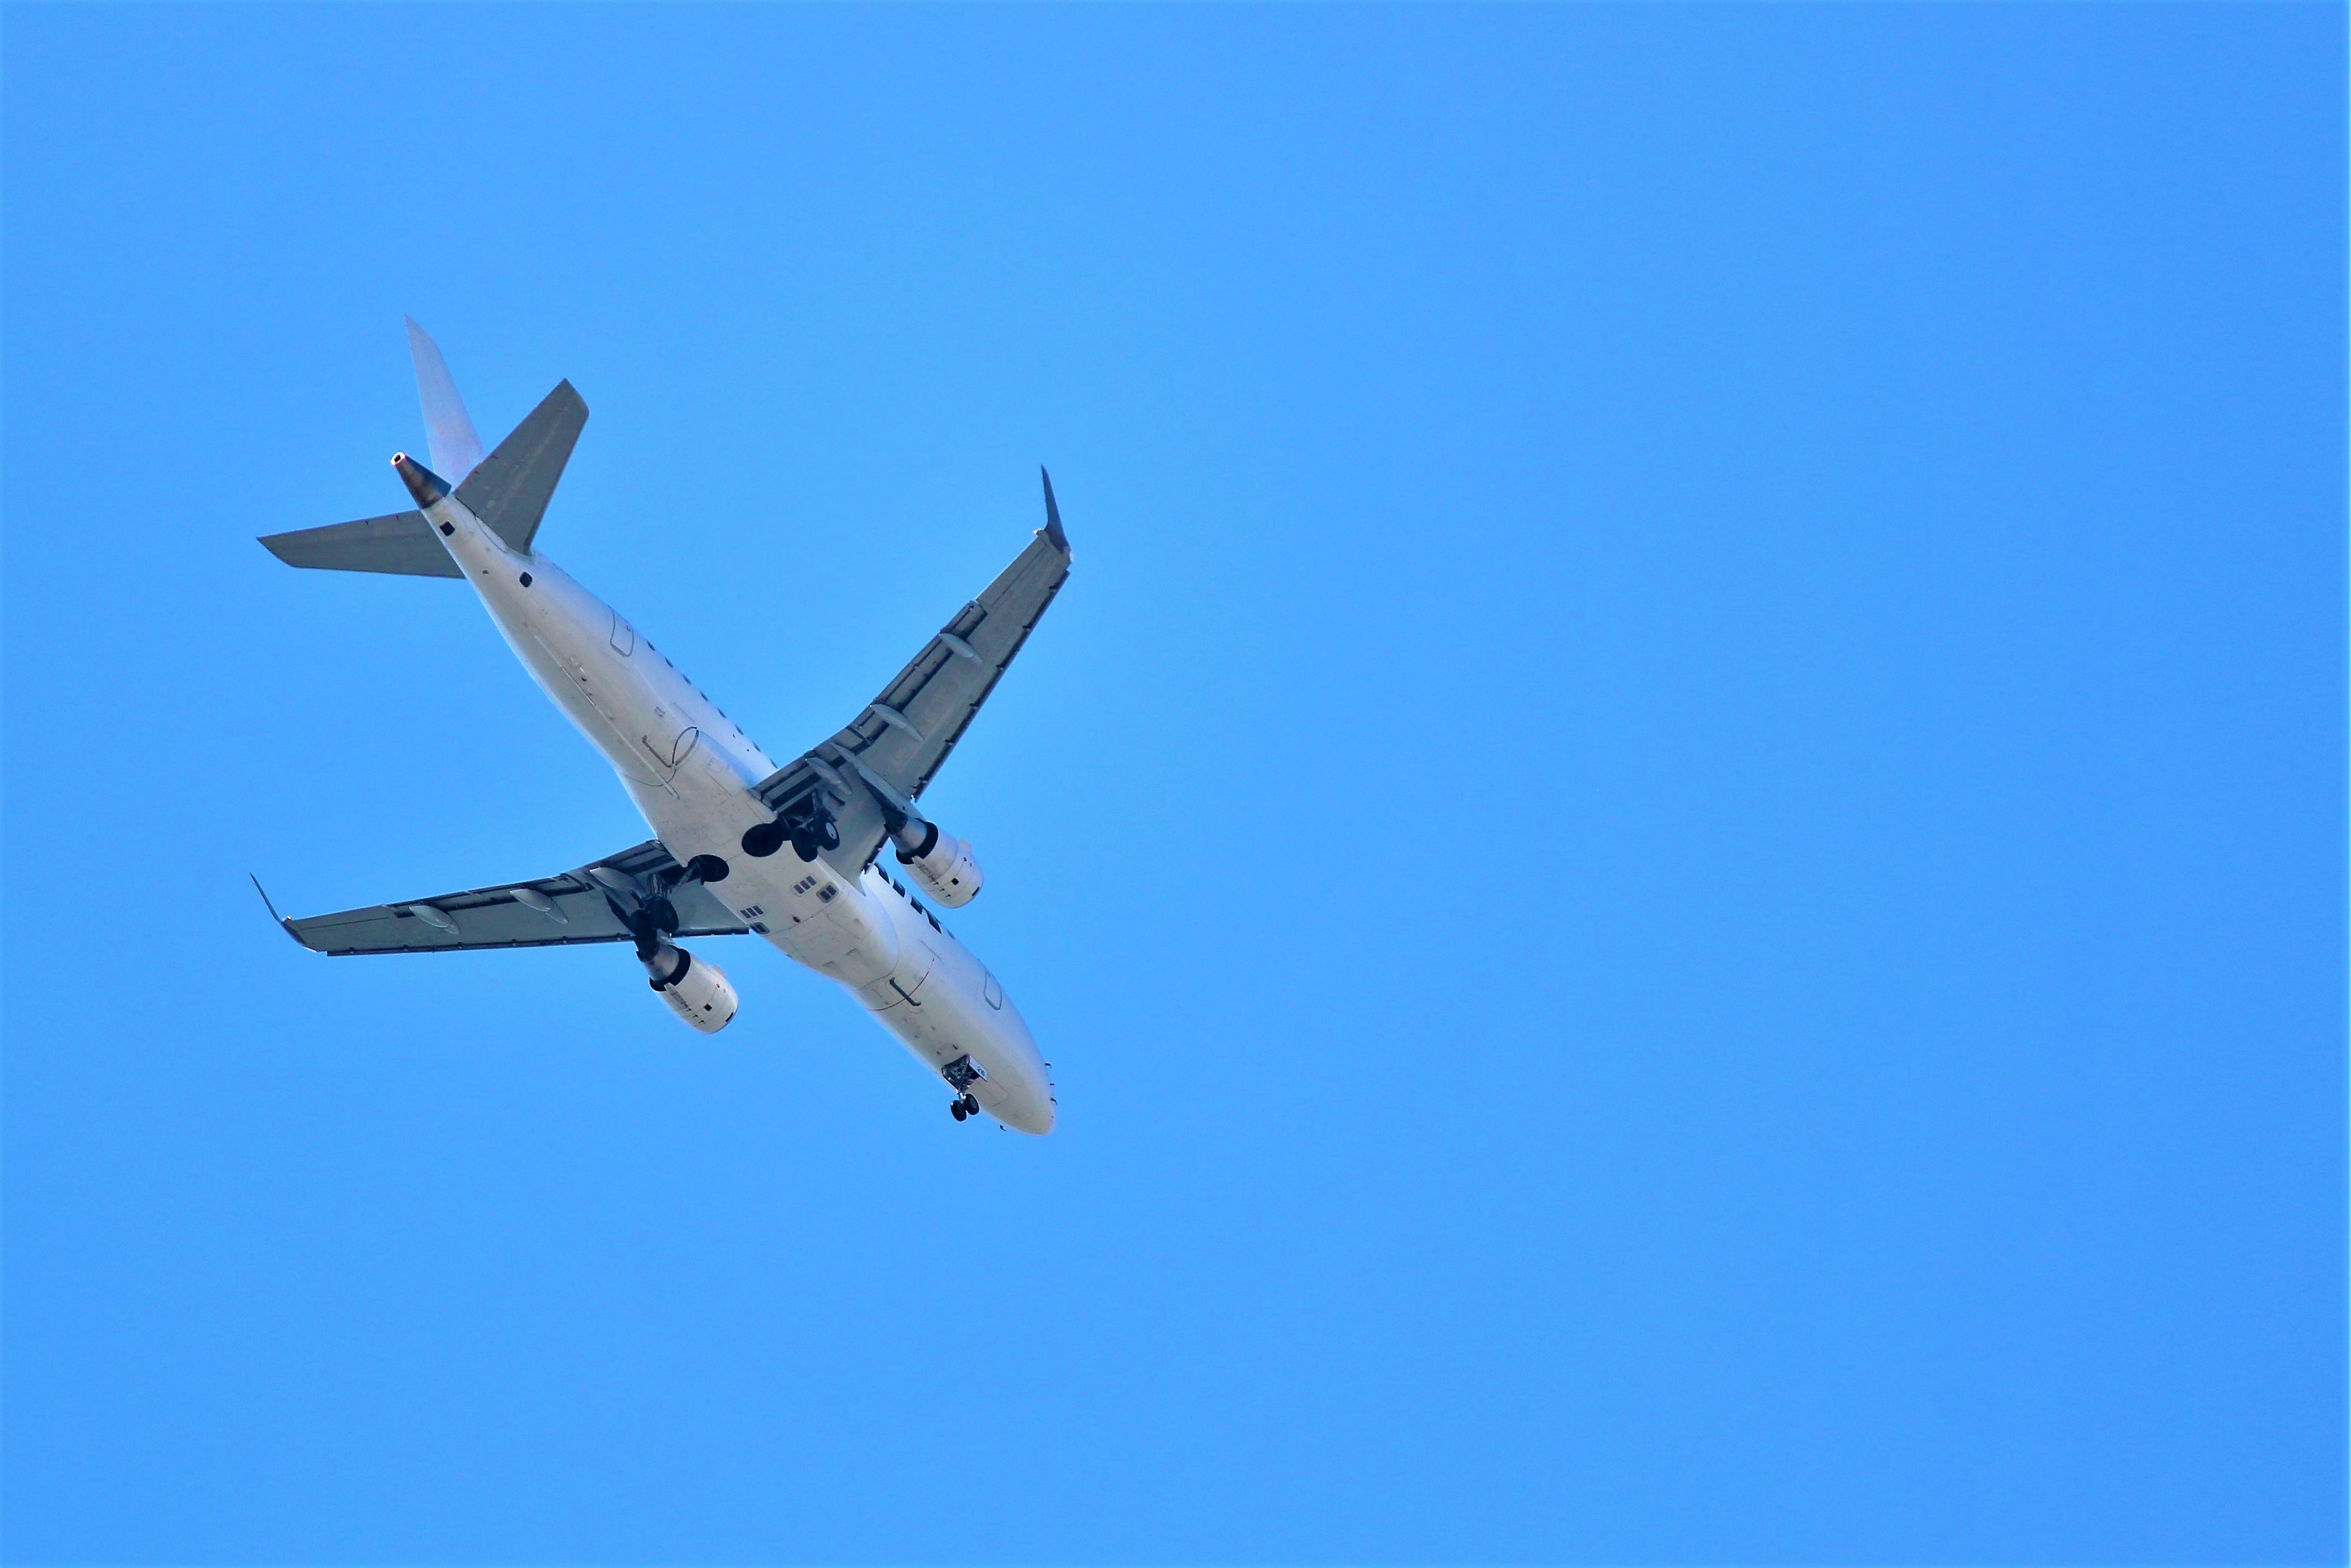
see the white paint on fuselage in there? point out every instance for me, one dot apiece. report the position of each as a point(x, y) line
point(691, 771)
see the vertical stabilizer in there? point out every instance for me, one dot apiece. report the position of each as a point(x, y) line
point(448, 431)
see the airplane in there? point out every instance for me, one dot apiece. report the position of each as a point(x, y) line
point(740, 846)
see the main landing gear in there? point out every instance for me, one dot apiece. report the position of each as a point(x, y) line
point(961, 1074)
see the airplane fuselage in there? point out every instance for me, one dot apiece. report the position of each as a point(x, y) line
point(691, 771)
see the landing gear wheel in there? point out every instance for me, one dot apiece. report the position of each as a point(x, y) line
point(956, 1106)
point(970, 1104)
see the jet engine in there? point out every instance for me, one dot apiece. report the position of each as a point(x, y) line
point(941, 862)
point(695, 992)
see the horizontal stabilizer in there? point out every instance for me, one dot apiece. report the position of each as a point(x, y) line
point(510, 490)
point(402, 543)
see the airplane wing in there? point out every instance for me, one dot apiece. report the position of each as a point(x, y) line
point(897, 744)
point(576, 909)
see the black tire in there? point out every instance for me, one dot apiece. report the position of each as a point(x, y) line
point(971, 1104)
point(956, 1106)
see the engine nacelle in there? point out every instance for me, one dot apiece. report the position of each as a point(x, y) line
point(695, 992)
point(941, 862)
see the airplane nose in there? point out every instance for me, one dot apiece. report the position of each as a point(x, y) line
point(1028, 1115)
point(422, 483)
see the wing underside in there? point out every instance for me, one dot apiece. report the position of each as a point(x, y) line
point(896, 745)
point(580, 908)
point(891, 750)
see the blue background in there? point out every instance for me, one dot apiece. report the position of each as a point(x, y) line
point(1681, 840)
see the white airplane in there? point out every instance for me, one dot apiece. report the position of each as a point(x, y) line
point(740, 845)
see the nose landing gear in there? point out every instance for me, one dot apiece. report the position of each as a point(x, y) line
point(961, 1074)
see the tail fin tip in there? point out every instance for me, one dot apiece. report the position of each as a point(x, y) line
point(448, 428)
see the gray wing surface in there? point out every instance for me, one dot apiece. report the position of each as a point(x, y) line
point(510, 490)
point(906, 734)
point(503, 916)
point(400, 543)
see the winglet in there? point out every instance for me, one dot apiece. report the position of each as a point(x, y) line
point(1053, 516)
point(275, 915)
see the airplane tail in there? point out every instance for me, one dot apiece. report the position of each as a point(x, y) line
point(509, 490)
point(448, 429)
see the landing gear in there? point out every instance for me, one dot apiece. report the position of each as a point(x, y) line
point(961, 1074)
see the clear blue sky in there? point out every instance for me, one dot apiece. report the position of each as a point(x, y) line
point(1681, 842)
